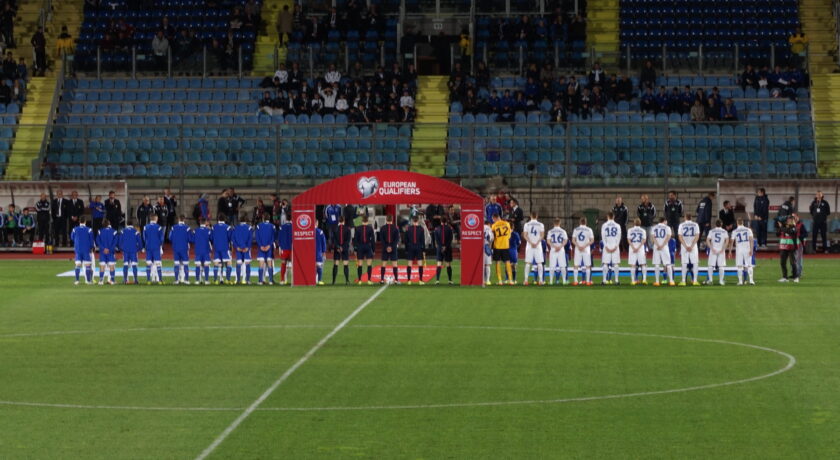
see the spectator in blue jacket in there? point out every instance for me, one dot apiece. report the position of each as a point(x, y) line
point(491, 208)
point(97, 211)
point(728, 112)
point(663, 101)
point(648, 102)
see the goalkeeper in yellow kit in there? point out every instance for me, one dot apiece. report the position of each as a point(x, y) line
point(501, 247)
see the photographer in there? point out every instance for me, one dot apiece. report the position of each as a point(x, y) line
point(787, 246)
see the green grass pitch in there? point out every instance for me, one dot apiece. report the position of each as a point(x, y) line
point(116, 372)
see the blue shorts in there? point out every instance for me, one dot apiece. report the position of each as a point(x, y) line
point(393, 255)
point(364, 251)
point(129, 257)
point(319, 257)
point(221, 255)
point(153, 256)
point(344, 254)
point(413, 253)
point(265, 255)
point(181, 256)
point(202, 258)
point(83, 256)
point(107, 258)
point(514, 257)
point(243, 256)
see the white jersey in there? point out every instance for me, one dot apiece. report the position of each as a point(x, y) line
point(661, 236)
point(637, 236)
point(689, 231)
point(742, 236)
point(556, 237)
point(611, 234)
point(581, 235)
point(533, 232)
point(488, 243)
point(719, 239)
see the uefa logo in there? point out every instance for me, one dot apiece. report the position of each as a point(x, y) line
point(472, 221)
point(303, 222)
point(367, 186)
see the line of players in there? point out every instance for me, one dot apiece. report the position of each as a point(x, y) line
point(214, 246)
point(211, 246)
point(502, 246)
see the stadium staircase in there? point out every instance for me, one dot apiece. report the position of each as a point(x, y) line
point(827, 109)
point(602, 31)
point(30, 132)
point(267, 39)
point(428, 144)
point(818, 25)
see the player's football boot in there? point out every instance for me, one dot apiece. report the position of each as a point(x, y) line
point(682, 283)
point(437, 282)
point(525, 283)
point(320, 283)
point(101, 283)
point(657, 284)
point(75, 283)
point(421, 283)
point(370, 283)
point(574, 283)
point(409, 282)
point(695, 283)
point(671, 283)
point(752, 283)
point(644, 283)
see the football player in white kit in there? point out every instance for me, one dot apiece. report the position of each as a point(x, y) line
point(610, 254)
point(718, 242)
point(636, 238)
point(742, 239)
point(533, 232)
point(488, 252)
point(582, 239)
point(557, 240)
point(688, 234)
point(662, 251)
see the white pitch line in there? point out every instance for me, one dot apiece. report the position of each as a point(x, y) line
point(250, 410)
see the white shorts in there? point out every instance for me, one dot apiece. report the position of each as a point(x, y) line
point(662, 257)
point(488, 260)
point(689, 257)
point(611, 258)
point(557, 259)
point(717, 260)
point(743, 259)
point(637, 258)
point(534, 255)
point(583, 258)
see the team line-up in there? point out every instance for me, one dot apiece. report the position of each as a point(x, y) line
point(213, 246)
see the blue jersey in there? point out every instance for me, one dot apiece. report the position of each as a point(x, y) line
point(266, 234)
point(332, 213)
point(82, 238)
point(284, 237)
point(221, 236)
point(107, 239)
point(243, 236)
point(179, 236)
point(129, 241)
point(490, 210)
point(515, 241)
point(320, 245)
point(97, 209)
point(153, 236)
point(200, 238)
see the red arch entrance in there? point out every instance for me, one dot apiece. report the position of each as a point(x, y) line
point(387, 187)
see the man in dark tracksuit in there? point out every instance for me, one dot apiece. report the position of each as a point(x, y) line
point(415, 245)
point(113, 211)
point(60, 211)
point(761, 214)
point(704, 214)
point(42, 209)
point(364, 240)
point(820, 210)
point(341, 250)
point(646, 213)
point(389, 236)
point(443, 237)
point(76, 210)
point(619, 211)
point(673, 211)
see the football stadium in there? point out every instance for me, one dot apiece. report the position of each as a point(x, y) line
point(251, 229)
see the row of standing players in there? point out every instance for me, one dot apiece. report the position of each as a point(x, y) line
point(214, 246)
point(502, 248)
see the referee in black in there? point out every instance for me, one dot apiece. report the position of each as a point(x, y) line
point(443, 236)
point(415, 245)
point(341, 250)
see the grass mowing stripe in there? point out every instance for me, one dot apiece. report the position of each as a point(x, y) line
point(245, 414)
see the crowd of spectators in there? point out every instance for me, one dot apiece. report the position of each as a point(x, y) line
point(312, 23)
point(380, 96)
point(561, 95)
